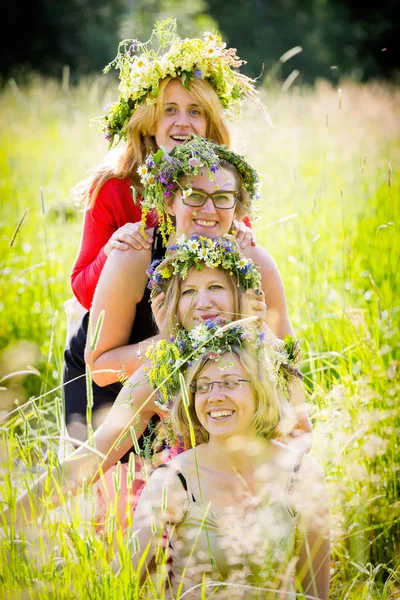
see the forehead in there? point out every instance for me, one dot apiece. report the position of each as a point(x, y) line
point(226, 367)
point(224, 180)
point(177, 94)
point(203, 277)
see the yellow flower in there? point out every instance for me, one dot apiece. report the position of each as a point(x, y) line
point(166, 273)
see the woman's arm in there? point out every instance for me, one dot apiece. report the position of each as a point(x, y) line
point(133, 408)
point(112, 222)
point(120, 288)
point(273, 288)
point(313, 566)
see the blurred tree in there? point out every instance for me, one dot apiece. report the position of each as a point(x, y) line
point(337, 37)
point(48, 34)
point(191, 17)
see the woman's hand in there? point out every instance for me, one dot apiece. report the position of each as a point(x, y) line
point(158, 308)
point(255, 305)
point(129, 235)
point(243, 234)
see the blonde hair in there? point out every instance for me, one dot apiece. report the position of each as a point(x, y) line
point(141, 140)
point(273, 417)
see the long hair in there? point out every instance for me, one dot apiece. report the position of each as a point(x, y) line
point(141, 140)
point(273, 416)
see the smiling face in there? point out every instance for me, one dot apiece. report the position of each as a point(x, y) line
point(207, 220)
point(181, 115)
point(225, 412)
point(205, 294)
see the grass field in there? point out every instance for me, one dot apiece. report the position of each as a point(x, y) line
point(330, 217)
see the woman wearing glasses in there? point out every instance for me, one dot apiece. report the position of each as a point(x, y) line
point(239, 507)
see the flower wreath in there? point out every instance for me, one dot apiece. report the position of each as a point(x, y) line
point(141, 69)
point(162, 171)
point(197, 252)
point(210, 340)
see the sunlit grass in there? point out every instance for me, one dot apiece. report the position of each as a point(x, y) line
point(330, 217)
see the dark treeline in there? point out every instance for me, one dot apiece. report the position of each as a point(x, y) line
point(337, 37)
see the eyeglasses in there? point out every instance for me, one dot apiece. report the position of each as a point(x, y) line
point(227, 385)
point(221, 199)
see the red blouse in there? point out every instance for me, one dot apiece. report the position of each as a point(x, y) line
point(113, 208)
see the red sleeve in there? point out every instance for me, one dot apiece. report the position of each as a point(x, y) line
point(114, 206)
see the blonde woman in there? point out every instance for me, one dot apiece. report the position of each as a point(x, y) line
point(240, 507)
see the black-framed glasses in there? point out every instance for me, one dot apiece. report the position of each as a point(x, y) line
point(221, 199)
point(227, 385)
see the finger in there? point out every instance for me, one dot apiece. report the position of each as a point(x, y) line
point(119, 245)
point(136, 241)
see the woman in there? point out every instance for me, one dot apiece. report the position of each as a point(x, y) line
point(161, 103)
point(240, 507)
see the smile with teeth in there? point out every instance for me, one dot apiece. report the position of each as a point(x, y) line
point(179, 138)
point(221, 414)
point(205, 223)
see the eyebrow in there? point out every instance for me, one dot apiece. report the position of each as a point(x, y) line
point(176, 104)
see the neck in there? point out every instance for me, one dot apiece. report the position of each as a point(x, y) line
point(240, 453)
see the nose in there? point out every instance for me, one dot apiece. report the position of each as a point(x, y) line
point(182, 119)
point(208, 206)
point(216, 394)
point(202, 299)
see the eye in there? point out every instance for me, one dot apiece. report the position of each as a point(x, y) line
point(170, 109)
point(216, 286)
point(188, 291)
point(203, 388)
point(195, 112)
point(231, 384)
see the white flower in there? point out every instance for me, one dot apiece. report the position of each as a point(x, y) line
point(193, 244)
point(212, 51)
point(209, 37)
point(186, 192)
point(203, 253)
point(139, 65)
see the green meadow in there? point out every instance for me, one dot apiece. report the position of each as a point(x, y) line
point(329, 215)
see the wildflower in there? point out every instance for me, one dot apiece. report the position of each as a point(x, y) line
point(209, 37)
point(198, 73)
point(187, 192)
point(193, 162)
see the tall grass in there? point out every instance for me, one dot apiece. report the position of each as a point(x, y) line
point(329, 216)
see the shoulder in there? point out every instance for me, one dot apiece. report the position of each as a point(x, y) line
point(130, 258)
point(166, 491)
point(260, 257)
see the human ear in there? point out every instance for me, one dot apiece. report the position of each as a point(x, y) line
point(171, 208)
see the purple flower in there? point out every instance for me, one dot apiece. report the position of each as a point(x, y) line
point(181, 346)
point(171, 338)
point(261, 336)
point(198, 73)
point(214, 168)
point(150, 162)
point(209, 323)
point(171, 361)
point(134, 47)
point(163, 180)
point(151, 268)
point(158, 278)
point(195, 346)
point(167, 193)
point(171, 186)
point(189, 363)
point(174, 247)
point(193, 162)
